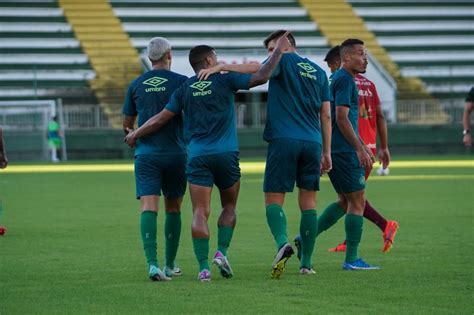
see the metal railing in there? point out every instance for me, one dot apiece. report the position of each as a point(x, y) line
point(253, 114)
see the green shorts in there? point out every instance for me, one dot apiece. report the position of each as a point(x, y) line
point(156, 173)
point(290, 160)
point(221, 169)
point(347, 175)
point(54, 143)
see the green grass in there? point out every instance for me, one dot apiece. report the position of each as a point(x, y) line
point(73, 247)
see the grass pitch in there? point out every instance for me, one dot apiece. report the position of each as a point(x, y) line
point(73, 246)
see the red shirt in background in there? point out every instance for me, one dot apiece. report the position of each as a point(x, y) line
point(368, 102)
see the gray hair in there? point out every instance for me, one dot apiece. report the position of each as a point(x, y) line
point(157, 48)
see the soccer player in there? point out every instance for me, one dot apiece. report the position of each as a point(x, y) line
point(3, 154)
point(466, 118)
point(54, 138)
point(213, 154)
point(371, 122)
point(298, 130)
point(350, 156)
point(160, 158)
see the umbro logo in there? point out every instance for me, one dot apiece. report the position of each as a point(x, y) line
point(307, 67)
point(201, 86)
point(155, 82)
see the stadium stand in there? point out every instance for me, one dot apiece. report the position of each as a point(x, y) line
point(429, 39)
point(111, 54)
point(222, 24)
point(40, 58)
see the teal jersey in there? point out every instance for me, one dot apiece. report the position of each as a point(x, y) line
point(147, 95)
point(343, 93)
point(209, 113)
point(296, 91)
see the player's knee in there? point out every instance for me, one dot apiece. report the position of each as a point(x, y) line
point(342, 202)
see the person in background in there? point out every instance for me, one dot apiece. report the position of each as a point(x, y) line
point(466, 119)
point(54, 138)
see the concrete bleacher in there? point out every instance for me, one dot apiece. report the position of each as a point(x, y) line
point(430, 39)
point(221, 24)
point(40, 58)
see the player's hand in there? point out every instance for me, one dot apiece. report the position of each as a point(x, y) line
point(283, 44)
point(3, 161)
point(384, 157)
point(467, 140)
point(366, 159)
point(326, 163)
point(205, 73)
point(130, 138)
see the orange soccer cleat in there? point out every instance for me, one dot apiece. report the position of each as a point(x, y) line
point(389, 235)
point(339, 248)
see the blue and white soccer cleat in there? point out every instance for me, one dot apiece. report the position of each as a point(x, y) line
point(172, 272)
point(223, 264)
point(359, 264)
point(155, 274)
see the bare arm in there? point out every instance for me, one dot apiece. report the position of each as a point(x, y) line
point(466, 117)
point(466, 121)
point(3, 154)
point(266, 70)
point(241, 68)
point(325, 114)
point(349, 134)
point(384, 153)
point(153, 124)
point(128, 123)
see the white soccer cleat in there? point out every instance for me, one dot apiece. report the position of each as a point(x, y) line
point(383, 172)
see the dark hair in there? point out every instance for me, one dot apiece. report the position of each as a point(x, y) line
point(347, 45)
point(333, 54)
point(278, 34)
point(198, 54)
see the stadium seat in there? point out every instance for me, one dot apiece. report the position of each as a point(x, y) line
point(40, 58)
point(432, 40)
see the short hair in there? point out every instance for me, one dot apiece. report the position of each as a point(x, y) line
point(198, 54)
point(333, 54)
point(348, 44)
point(278, 34)
point(157, 48)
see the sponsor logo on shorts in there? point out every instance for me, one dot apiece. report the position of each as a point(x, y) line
point(308, 69)
point(201, 86)
point(155, 82)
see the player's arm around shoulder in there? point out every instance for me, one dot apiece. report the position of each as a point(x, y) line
point(248, 68)
point(264, 73)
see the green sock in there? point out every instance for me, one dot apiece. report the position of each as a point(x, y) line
point(308, 228)
point(329, 217)
point(224, 236)
point(354, 225)
point(172, 234)
point(277, 222)
point(201, 250)
point(148, 233)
